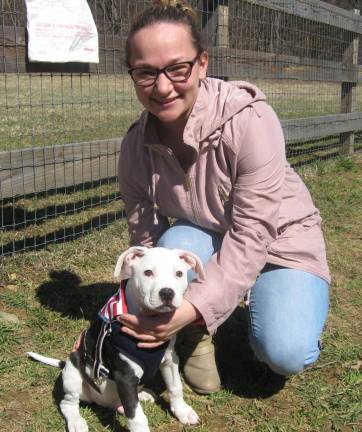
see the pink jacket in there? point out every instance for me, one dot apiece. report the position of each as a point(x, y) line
point(239, 185)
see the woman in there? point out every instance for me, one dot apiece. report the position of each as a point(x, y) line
point(211, 155)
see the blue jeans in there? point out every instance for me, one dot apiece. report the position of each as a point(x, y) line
point(287, 308)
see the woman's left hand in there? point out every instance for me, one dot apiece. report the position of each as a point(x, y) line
point(154, 330)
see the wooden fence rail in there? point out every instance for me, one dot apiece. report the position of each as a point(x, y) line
point(305, 129)
point(233, 63)
point(40, 169)
point(315, 10)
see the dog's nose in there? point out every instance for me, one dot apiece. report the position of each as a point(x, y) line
point(167, 294)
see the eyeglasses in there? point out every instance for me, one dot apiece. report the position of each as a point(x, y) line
point(178, 72)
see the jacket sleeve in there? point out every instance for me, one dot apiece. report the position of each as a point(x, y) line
point(257, 195)
point(145, 223)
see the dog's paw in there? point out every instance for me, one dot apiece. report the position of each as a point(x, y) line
point(144, 396)
point(77, 425)
point(184, 413)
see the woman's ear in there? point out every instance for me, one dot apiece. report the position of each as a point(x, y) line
point(203, 63)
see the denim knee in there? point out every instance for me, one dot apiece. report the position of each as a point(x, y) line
point(185, 235)
point(287, 312)
point(288, 358)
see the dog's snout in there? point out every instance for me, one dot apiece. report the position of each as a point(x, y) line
point(167, 294)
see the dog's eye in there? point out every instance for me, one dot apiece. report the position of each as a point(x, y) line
point(179, 273)
point(148, 273)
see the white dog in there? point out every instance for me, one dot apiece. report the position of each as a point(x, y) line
point(108, 366)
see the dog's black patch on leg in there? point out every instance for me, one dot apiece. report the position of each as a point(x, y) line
point(128, 392)
point(125, 378)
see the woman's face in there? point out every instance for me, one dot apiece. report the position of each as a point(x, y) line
point(158, 46)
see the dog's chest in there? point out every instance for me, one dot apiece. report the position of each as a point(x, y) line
point(148, 359)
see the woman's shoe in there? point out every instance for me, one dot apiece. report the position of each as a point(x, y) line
point(197, 354)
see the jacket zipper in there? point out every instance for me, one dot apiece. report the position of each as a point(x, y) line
point(223, 195)
point(189, 188)
point(187, 183)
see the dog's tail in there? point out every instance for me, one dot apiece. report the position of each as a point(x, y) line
point(47, 360)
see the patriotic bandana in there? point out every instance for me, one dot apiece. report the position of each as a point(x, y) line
point(116, 305)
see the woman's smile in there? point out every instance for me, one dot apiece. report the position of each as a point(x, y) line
point(154, 47)
point(165, 103)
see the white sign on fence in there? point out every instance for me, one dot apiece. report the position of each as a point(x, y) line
point(61, 31)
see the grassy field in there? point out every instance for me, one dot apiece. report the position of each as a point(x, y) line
point(56, 290)
point(42, 110)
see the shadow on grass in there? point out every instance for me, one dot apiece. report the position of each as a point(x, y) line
point(61, 235)
point(64, 293)
point(19, 217)
point(240, 372)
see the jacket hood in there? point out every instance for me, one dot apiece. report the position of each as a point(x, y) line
point(217, 102)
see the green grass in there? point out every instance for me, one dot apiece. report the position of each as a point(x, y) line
point(42, 110)
point(56, 290)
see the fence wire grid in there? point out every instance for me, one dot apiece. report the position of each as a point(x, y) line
point(62, 124)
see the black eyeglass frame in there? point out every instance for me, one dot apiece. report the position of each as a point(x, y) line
point(191, 63)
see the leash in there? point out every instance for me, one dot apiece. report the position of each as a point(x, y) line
point(115, 306)
point(100, 372)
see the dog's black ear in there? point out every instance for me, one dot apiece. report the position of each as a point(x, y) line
point(126, 260)
point(193, 261)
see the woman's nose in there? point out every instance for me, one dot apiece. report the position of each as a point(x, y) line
point(163, 85)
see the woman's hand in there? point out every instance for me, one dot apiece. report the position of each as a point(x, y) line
point(153, 331)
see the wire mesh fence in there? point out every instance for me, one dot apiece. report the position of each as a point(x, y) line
point(62, 124)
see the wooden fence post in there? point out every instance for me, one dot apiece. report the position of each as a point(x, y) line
point(222, 31)
point(216, 29)
point(348, 93)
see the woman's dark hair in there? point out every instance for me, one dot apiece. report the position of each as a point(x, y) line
point(171, 11)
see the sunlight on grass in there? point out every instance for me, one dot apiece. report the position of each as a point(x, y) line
point(51, 109)
point(41, 110)
point(67, 241)
point(56, 289)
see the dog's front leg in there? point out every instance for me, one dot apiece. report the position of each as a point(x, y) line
point(171, 375)
point(128, 393)
point(69, 406)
